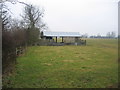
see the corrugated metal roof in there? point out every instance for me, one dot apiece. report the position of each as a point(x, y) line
point(61, 34)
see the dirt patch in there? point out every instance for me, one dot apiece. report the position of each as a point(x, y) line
point(47, 64)
point(68, 60)
point(76, 53)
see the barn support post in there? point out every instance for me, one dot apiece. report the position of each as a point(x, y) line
point(49, 39)
point(76, 39)
point(85, 42)
point(56, 39)
point(62, 39)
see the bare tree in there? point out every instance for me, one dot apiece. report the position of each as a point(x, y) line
point(15, 23)
point(4, 14)
point(113, 34)
point(32, 16)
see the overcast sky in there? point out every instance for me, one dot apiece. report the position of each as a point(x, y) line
point(84, 16)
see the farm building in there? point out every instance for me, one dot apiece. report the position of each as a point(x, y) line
point(62, 38)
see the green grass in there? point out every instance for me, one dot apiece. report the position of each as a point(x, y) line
point(91, 66)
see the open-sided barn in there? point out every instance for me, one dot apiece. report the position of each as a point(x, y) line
point(66, 38)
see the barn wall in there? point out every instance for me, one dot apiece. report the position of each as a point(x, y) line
point(69, 40)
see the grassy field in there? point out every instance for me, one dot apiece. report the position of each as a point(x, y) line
point(92, 66)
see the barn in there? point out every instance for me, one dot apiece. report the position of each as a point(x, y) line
point(63, 38)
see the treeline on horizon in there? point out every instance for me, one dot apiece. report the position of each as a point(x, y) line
point(109, 35)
